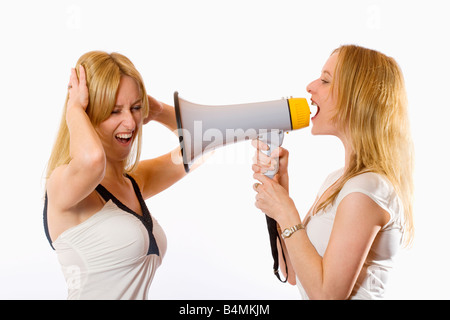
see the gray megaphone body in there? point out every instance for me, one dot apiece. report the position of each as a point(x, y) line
point(202, 128)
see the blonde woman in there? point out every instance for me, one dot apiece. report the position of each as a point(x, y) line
point(345, 245)
point(95, 217)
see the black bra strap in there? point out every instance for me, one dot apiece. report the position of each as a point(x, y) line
point(146, 218)
point(47, 233)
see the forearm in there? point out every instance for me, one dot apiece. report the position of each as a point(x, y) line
point(167, 117)
point(285, 265)
point(85, 145)
point(162, 113)
point(307, 264)
point(160, 173)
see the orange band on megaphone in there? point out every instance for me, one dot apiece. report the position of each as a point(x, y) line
point(300, 112)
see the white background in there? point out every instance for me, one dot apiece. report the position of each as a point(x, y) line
point(217, 52)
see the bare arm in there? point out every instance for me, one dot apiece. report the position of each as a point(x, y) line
point(156, 175)
point(162, 113)
point(71, 183)
point(358, 220)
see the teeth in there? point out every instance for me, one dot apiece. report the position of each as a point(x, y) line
point(124, 135)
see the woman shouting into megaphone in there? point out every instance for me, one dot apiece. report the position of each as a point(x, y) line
point(344, 247)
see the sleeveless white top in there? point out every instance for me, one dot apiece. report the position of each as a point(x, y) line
point(371, 283)
point(112, 255)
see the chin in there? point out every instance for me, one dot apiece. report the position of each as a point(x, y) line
point(315, 131)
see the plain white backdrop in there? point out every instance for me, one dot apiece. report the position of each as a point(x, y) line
point(217, 52)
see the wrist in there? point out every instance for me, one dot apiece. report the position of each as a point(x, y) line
point(167, 117)
point(74, 110)
point(287, 221)
point(288, 232)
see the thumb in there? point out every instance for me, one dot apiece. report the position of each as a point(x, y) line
point(276, 178)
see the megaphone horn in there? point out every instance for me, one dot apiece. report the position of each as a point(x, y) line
point(202, 128)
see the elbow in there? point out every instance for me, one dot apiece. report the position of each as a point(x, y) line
point(328, 292)
point(95, 162)
point(327, 295)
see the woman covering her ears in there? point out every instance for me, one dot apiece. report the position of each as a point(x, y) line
point(344, 247)
point(95, 216)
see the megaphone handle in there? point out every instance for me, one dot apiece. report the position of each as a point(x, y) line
point(271, 223)
point(273, 144)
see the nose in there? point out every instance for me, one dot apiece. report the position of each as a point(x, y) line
point(128, 120)
point(310, 87)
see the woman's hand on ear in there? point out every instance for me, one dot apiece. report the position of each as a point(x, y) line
point(155, 109)
point(78, 90)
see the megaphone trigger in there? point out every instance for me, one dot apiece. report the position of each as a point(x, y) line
point(273, 139)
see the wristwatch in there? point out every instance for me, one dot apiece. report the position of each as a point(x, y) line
point(289, 231)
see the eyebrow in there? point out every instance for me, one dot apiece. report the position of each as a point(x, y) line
point(325, 71)
point(121, 106)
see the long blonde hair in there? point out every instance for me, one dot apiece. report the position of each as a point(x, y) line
point(372, 110)
point(103, 73)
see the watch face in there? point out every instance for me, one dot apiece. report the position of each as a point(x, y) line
point(286, 232)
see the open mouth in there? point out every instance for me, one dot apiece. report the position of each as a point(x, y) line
point(316, 111)
point(124, 138)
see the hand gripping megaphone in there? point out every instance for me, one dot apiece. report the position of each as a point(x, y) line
point(202, 128)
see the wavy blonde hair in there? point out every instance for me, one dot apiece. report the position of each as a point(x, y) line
point(372, 110)
point(103, 73)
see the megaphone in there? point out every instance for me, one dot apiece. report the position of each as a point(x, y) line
point(202, 128)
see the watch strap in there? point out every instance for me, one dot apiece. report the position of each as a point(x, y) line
point(289, 231)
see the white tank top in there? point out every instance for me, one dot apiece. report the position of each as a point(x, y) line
point(112, 255)
point(371, 283)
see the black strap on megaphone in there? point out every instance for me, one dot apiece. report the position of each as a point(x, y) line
point(274, 235)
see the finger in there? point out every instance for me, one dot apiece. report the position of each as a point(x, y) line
point(276, 153)
point(73, 78)
point(265, 163)
point(262, 159)
point(82, 75)
point(262, 178)
point(276, 178)
point(258, 144)
point(256, 168)
point(258, 204)
point(262, 169)
point(280, 152)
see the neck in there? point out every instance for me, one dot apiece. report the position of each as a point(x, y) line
point(114, 171)
point(348, 151)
